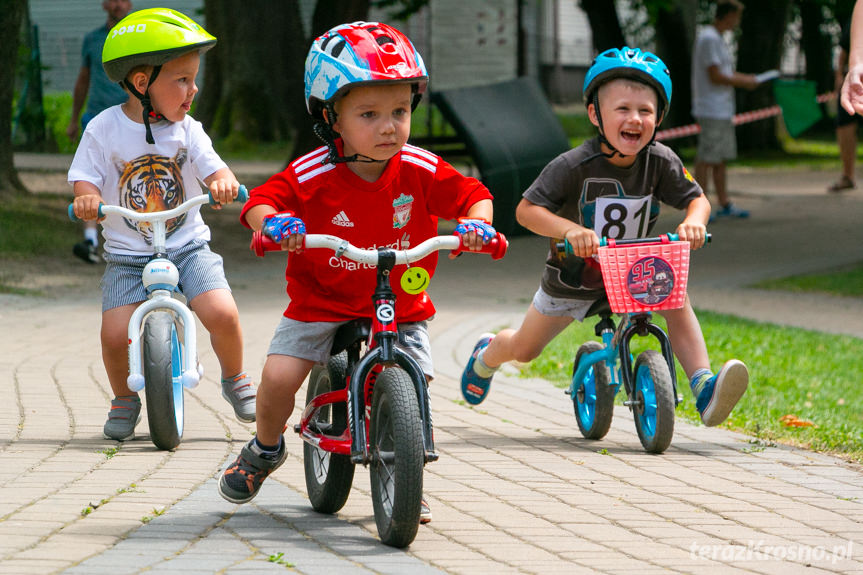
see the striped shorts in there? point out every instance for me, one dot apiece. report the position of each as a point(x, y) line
point(200, 270)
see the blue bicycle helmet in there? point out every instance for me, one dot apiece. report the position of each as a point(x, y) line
point(631, 63)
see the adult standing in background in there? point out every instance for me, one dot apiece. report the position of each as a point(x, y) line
point(713, 83)
point(94, 88)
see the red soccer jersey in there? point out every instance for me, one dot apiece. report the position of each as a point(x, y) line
point(399, 210)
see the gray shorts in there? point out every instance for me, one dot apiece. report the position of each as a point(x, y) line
point(200, 271)
point(561, 306)
point(717, 142)
point(313, 340)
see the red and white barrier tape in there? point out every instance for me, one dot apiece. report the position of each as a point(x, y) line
point(742, 118)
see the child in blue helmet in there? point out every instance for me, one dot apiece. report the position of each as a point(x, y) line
point(606, 187)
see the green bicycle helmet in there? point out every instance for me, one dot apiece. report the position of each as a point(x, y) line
point(150, 37)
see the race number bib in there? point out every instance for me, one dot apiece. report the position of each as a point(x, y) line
point(622, 218)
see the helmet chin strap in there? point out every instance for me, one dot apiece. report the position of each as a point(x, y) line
point(145, 102)
point(325, 132)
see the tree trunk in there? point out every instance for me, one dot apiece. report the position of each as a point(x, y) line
point(10, 28)
point(675, 35)
point(328, 13)
point(759, 49)
point(249, 75)
point(604, 24)
point(817, 47)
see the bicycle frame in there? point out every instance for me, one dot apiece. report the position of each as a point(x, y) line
point(363, 370)
point(381, 352)
point(616, 348)
point(161, 278)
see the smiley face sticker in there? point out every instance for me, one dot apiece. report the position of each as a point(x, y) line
point(415, 280)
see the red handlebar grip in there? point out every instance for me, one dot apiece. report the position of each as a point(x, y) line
point(262, 244)
point(496, 247)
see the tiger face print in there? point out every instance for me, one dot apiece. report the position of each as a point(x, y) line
point(152, 183)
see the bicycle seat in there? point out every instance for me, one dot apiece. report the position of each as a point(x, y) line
point(354, 330)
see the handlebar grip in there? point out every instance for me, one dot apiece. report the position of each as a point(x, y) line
point(496, 247)
point(242, 196)
point(71, 212)
point(262, 244)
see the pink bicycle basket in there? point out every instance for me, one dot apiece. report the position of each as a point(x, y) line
point(645, 277)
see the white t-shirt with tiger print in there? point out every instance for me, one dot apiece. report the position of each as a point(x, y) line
point(115, 157)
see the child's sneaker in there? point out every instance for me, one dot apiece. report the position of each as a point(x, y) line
point(242, 479)
point(86, 250)
point(124, 416)
point(474, 388)
point(239, 391)
point(721, 392)
point(425, 512)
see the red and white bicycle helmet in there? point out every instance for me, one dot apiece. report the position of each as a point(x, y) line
point(357, 54)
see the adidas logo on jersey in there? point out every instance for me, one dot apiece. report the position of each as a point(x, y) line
point(341, 219)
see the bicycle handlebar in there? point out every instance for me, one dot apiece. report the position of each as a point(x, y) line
point(662, 239)
point(565, 248)
point(496, 247)
point(104, 209)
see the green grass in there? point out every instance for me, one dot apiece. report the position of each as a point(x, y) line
point(845, 281)
point(811, 375)
point(35, 226)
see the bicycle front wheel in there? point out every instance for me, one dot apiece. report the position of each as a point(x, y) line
point(328, 475)
point(163, 387)
point(397, 457)
point(654, 401)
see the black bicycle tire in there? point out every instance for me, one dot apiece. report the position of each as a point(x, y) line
point(158, 381)
point(396, 434)
point(604, 407)
point(660, 376)
point(329, 493)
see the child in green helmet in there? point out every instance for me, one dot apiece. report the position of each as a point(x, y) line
point(147, 154)
point(610, 186)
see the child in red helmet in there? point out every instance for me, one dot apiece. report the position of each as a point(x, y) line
point(366, 185)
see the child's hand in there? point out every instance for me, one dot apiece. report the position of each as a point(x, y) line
point(223, 191)
point(475, 232)
point(286, 229)
point(87, 207)
point(584, 242)
point(694, 233)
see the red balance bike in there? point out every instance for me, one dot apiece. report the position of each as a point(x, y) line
point(369, 405)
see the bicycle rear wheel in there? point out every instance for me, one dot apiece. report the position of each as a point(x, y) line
point(329, 476)
point(163, 387)
point(594, 397)
point(397, 457)
point(654, 401)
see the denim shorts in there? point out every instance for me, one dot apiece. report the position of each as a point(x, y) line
point(200, 270)
point(313, 340)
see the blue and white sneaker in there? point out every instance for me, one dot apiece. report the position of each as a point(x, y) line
point(473, 387)
point(720, 393)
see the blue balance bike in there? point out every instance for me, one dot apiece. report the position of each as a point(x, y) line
point(640, 276)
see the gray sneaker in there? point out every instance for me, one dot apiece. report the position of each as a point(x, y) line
point(125, 414)
point(239, 391)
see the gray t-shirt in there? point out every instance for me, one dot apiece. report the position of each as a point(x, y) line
point(615, 202)
point(711, 100)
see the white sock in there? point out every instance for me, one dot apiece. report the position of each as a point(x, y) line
point(92, 235)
